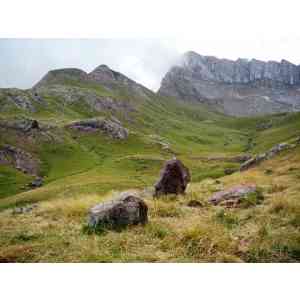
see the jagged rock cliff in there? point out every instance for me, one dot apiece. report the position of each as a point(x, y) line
point(238, 87)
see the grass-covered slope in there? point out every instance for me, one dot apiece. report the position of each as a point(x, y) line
point(54, 231)
point(81, 169)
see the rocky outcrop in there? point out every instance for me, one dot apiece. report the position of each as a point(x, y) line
point(264, 156)
point(19, 159)
point(90, 99)
point(16, 99)
point(241, 70)
point(127, 209)
point(113, 79)
point(103, 74)
point(112, 128)
point(24, 125)
point(238, 87)
point(234, 196)
point(174, 178)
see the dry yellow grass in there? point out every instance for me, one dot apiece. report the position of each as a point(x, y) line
point(53, 231)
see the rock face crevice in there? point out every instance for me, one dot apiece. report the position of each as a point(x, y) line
point(242, 87)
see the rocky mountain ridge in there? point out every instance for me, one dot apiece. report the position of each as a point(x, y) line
point(242, 70)
point(240, 87)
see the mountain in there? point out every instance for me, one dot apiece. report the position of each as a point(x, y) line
point(76, 139)
point(74, 93)
point(238, 88)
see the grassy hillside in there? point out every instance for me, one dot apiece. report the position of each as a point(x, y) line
point(54, 231)
point(81, 169)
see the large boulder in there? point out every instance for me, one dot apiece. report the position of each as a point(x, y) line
point(174, 178)
point(234, 196)
point(125, 210)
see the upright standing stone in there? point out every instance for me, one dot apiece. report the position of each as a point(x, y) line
point(174, 178)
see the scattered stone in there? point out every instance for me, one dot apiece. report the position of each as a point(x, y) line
point(241, 158)
point(234, 196)
point(174, 178)
point(127, 209)
point(194, 203)
point(229, 171)
point(38, 182)
point(264, 126)
point(24, 125)
point(109, 127)
point(264, 156)
point(234, 159)
point(23, 209)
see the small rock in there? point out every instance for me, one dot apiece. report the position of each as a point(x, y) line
point(174, 178)
point(241, 158)
point(24, 209)
point(194, 203)
point(127, 209)
point(233, 196)
point(229, 171)
point(38, 182)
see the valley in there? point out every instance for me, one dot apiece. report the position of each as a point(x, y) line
point(89, 136)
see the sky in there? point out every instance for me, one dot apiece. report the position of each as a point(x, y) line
point(141, 41)
point(23, 62)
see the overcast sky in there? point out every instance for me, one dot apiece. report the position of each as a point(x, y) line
point(266, 30)
point(24, 61)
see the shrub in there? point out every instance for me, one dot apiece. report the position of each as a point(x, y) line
point(228, 219)
point(252, 199)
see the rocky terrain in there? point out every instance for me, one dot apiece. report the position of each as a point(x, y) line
point(240, 88)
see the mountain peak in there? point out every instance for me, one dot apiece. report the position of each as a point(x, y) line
point(60, 76)
point(239, 87)
point(103, 74)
